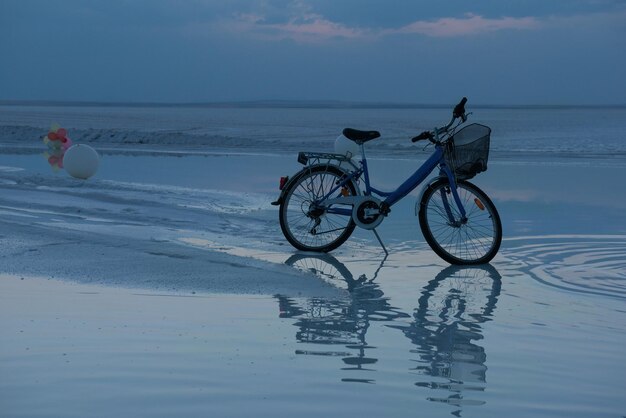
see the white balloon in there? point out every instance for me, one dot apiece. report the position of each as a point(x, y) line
point(81, 161)
point(346, 147)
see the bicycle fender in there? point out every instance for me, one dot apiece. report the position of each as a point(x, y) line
point(422, 191)
point(281, 196)
point(299, 174)
point(287, 185)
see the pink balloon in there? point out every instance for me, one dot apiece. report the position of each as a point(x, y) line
point(55, 160)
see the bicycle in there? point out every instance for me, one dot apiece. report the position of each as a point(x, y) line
point(321, 205)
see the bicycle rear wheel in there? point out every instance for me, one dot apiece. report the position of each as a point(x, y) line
point(473, 240)
point(308, 226)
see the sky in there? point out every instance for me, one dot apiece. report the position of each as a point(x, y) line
point(543, 52)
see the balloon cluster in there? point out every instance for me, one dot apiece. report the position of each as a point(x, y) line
point(57, 138)
point(58, 142)
point(80, 161)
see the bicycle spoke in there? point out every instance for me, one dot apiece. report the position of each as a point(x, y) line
point(308, 225)
point(463, 238)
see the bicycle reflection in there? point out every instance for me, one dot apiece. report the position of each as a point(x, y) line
point(446, 324)
point(342, 322)
point(444, 327)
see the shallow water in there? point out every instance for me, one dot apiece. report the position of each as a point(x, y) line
point(484, 341)
point(539, 332)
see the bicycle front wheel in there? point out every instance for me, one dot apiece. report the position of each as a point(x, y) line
point(473, 239)
point(304, 220)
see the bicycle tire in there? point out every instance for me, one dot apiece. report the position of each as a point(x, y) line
point(476, 241)
point(295, 222)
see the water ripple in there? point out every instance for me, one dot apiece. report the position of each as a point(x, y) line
point(592, 264)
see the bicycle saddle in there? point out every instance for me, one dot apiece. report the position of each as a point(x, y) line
point(360, 137)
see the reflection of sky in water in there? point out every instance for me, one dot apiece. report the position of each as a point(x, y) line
point(410, 336)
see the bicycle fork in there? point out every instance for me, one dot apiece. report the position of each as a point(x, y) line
point(452, 221)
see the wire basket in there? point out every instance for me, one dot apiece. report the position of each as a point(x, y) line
point(468, 150)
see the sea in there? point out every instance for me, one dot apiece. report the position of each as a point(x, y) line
point(517, 131)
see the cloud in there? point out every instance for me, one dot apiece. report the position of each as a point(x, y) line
point(471, 24)
point(312, 27)
point(306, 27)
point(316, 25)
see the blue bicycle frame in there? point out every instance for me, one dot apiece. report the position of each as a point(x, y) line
point(391, 198)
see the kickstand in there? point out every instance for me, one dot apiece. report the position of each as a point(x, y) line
point(381, 242)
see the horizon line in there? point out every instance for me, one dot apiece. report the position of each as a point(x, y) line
point(287, 103)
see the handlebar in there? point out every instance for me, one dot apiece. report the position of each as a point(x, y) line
point(424, 135)
point(459, 110)
point(432, 136)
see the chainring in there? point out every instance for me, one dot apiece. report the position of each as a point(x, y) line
point(368, 213)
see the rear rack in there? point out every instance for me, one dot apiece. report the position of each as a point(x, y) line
point(314, 158)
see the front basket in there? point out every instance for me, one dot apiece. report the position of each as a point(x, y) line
point(468, 151)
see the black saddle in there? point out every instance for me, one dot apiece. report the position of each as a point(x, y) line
point(360, 137)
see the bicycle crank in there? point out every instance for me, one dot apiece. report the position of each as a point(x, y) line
point(368, 212)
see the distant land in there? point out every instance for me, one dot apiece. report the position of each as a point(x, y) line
point(292, 104)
